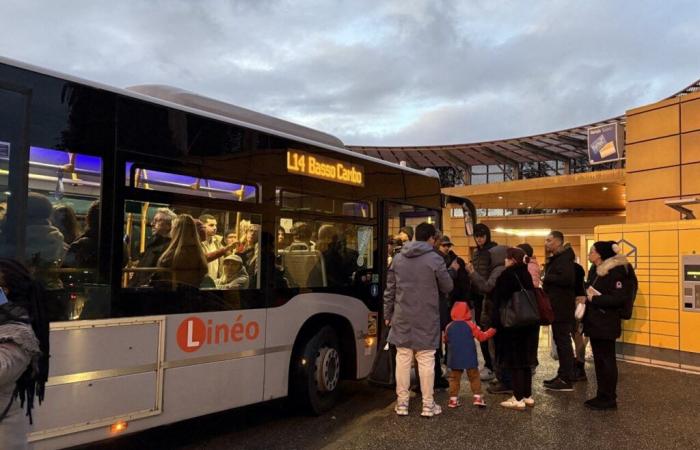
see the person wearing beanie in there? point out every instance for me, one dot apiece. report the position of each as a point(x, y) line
point(612, 287)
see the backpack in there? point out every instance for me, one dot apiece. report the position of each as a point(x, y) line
point(626, 311)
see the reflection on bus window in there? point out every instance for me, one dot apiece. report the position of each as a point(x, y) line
point(184, 184)
point(62, 230)
point(323, 254)
point(168, 248)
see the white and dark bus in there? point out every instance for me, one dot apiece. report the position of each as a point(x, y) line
point(97, 186)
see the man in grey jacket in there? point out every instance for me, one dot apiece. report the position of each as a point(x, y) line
point(415, 278)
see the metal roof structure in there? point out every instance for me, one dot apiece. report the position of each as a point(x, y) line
point(565, 145)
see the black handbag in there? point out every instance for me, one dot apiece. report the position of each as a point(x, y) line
point(521, 310)
point(383, 371)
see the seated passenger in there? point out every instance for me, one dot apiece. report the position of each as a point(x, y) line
point(329, 246)
point(184, 256)
point(83, 251)
point(234, 274)
point(156, 245)
point(44, 248)
point(301, 238)
point(251, 252)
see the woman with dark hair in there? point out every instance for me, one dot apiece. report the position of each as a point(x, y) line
point(516, 347)
point(612, 286)
point(184, 256)
point(24, 351)
point(63, 217)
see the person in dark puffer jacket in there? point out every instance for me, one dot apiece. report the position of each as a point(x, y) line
point(612, 284)
point(481, 260)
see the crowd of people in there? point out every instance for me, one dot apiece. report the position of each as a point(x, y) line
point(427, 284)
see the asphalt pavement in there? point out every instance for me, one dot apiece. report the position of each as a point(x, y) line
point(658, 409)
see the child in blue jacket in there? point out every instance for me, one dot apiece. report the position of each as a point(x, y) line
point(460, 333)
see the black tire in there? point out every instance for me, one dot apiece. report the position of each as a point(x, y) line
point(315, 372)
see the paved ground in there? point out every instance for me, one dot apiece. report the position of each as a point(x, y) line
point(658, 409)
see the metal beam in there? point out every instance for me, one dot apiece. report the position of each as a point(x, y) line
point(540, 151)
point(498, 156)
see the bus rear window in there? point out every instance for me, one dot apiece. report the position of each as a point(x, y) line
point(189, 185)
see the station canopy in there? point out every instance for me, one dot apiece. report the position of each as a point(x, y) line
point(564, 145)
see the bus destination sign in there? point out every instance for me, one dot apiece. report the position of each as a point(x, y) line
point(324, 168)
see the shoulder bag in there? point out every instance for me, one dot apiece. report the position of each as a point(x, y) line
point(521, 309)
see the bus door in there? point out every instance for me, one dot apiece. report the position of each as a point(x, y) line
point(395, 217)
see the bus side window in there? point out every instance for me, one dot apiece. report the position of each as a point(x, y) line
point(62, 232)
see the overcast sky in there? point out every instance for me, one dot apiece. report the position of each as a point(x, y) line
point(372, 72)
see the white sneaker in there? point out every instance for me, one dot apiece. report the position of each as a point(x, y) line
point(512, 403)
point(401, 409)
point(529, 401)
point(431, 410)
point(486, 374)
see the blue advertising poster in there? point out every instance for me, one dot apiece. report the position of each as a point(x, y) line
point(604, 143)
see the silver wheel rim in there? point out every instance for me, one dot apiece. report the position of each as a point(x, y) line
point(327, 369)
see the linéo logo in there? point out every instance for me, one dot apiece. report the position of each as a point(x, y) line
point(193, 333)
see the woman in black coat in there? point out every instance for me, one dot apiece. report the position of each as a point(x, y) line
point(516, 347)
point(612, 286)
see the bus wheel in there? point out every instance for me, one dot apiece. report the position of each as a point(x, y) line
point(315, 380)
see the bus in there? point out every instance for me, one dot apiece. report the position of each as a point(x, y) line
point(276, 293)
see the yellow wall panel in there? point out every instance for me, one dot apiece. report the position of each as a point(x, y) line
point(659, 340)
point(652, 124)
point(636, 325)
point(690, 179)
point(662, 301)
point(649, 211)
point(653, 154)
point(636, 338)
point(690, 147)
point(643, 288)
point(690, 332)
point(663, 315)
point(639, 240)
point(664, 288)
point(663, 242)
point(640, 312)
point(690, 116)
point(642, 301)
point(666, 183)
point(689, 242)
point(665, 328)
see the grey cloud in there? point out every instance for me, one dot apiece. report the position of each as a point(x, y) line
point(379, 73)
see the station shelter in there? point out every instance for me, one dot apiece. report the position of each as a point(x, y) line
point(648, 201)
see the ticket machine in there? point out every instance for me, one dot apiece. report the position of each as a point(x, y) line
point(690, 277)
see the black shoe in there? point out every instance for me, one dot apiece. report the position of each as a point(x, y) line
point(499, 388)
point(559, 385)
point(551, 380)
point(600, 405)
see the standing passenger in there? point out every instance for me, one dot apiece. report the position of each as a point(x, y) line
point(481, 259)
point(560, 286)
point(612, 285)
point(516, 347)
point(212, 243)
point(415, 278)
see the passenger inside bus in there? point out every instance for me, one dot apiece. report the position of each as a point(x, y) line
point(301, 238)
point(83, 251)
point(235, 275)
point(251, 252)
point(64, 218)
point(211, 244)
point(44, 247)
point(156, 245)
point(184, 257)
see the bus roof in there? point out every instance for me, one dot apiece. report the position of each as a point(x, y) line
point(186, 101)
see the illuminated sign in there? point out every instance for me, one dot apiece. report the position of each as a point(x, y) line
point(323, 168)
point(605, 143)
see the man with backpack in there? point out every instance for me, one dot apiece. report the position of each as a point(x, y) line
point(612, 287)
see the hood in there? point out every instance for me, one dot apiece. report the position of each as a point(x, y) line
point(416, 248)
point(498, 256)
point(606, 266)
point(461, 311)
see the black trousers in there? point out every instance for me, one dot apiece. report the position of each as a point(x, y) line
point(605, 368)
point(478, 303)
point(561, 332)
point(522, 382)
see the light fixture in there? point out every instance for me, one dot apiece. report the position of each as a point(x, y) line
point(500, 197)
point(534, 232)
point(604, 188)
point(521, 203)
